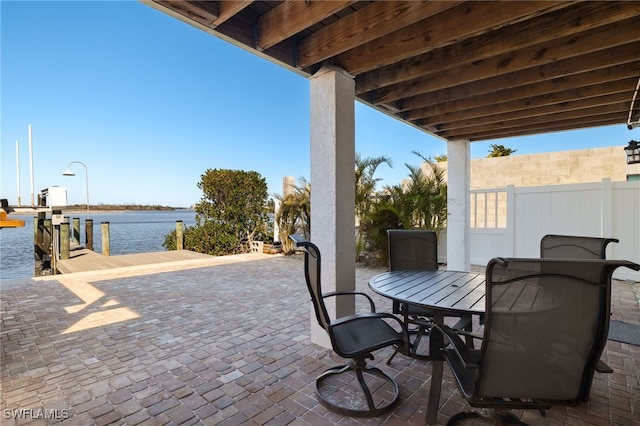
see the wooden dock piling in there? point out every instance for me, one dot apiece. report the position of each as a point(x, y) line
point(106, 243)
point(179, 235)
point(39, 250)
point(65, 240)
point(76, 231)
point(88, 234)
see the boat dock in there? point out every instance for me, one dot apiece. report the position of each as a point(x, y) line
point(84, 260)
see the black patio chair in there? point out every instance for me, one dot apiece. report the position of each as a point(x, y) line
point(574, 247)
point(546, 326)
point(554, 246)
point(353, 337)
point(416, 250)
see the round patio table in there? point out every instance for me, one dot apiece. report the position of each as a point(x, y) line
point(444, 292)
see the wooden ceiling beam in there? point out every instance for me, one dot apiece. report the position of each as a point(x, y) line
point(613, 102)
point(531, 57)
point(477, 70)
point(369, 23)
point(615, 63)
point(202, 12)
point(586, 83)
point(547, 103)
point(497, 132)
point(291, 17)
point(453, 25)
point(229, 8)
point(560, 23)
point(551, 128)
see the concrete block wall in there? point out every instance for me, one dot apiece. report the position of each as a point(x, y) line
point(550, 168)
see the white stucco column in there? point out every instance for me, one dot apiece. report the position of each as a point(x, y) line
point(333, 188)
point(458, 205)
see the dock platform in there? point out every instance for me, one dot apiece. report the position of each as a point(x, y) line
point(84, 260)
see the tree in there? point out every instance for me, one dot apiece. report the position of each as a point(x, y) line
point(230, 215)
point(294, 214)
point(365, 195)
point(366, 182)
point(499, 151)
point(420, 203)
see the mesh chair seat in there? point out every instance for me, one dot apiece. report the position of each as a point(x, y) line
point(353, 337)
point(350, 340)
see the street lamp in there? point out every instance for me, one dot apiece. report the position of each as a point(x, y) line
point(69, 172)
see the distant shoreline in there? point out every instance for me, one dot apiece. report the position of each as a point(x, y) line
point(95, 209)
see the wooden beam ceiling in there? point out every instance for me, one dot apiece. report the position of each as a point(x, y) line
point(456, 69)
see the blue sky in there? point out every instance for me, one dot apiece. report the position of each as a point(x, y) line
point(149, 103)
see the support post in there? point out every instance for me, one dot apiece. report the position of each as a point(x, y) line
point(179, 235)
point(458, 205)
point(333, 187)
point(47, 237)
point(76, 230)
point(106, 243)
point(65, 239)
point(510, 236)
point(606, 208)
point(38, 241)
point(88, 234)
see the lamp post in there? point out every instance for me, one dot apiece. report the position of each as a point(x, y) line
point(69, 172)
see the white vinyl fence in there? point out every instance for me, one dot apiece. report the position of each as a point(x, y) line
point(511, 221)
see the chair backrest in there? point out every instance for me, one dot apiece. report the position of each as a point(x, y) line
point(412, 249)
point(546, 326)
point(312, 277)
point(574, 247)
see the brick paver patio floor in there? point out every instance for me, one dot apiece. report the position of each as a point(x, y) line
point(221, 345)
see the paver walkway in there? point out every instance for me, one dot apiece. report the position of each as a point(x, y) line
point(220, 345)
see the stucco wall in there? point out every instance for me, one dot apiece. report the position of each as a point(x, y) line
point(553, 168)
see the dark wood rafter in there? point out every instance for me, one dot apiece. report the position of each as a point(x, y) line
point(228, 9)
point(472, 70)
point(204, 13)
point(520, 109)
point(562, 49)
point(370, 23)
point(298, 15)
point(543, 29)
point(541, 80)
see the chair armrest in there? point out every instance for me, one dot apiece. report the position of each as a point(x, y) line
point(347, 293)
point(468, 357)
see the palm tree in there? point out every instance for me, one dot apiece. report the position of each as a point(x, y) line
point(294, 214)
point(365, 195)
point(366, 183)
point(420, 203)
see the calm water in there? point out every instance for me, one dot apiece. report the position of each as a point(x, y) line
point(130, 232)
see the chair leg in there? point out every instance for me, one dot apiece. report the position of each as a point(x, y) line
point(413, 349)
point(359, 367)
point(365, 389)
point(395, 352)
